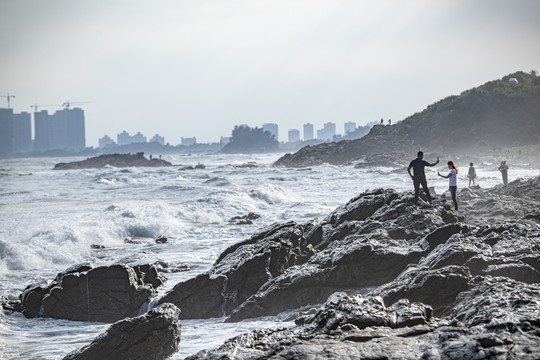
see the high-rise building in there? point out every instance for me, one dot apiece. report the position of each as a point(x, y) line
point(294, 135)
point(63, 130)
point(106, 141)
point(308, 132)
point(22, 132)
point(272, 128)
point(349, 127)
point(41, 130)
point(123, 138)
point(327, 132)
point(138, 138)
point(188, 141)
point(6, 132)
point(15, 132)
point(158, 139)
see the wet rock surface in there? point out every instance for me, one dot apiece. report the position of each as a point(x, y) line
point(402, 281)
point(152, 336)
point(378, 243)
point(85, 293)
point(116, 160)
point(358, 327)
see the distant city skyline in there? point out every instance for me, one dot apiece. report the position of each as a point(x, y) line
point(196, 69)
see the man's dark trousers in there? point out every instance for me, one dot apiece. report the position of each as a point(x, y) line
point(417, 183)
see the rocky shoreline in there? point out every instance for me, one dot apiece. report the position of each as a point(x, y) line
point(397, 280)
point(116, 160)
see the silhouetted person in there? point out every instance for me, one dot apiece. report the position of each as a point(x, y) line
point(382, 121)
point(419, 177)
point(503, 168)
point(471, 174)
point(389, 122)
point(452, 175)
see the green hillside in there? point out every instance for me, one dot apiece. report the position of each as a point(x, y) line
point(498, 114)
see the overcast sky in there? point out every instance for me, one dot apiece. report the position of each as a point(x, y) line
point(197, 68)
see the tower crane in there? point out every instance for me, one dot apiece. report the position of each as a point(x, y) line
point(8, 97)
point(35, 106)
point(67, 104)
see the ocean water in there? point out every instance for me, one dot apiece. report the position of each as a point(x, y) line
point(49, 220)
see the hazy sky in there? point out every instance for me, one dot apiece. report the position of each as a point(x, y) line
point(197, 68)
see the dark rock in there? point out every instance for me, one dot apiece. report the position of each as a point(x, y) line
point(162, 239)
point(438, 288)
point(481, 281)
point(84, 293)
point(130, 240)
point(10, 304)
point(357, 327)
point(97, 246)
point(499, 303)
point(152, 336)
point(190, 167)
point(240, 271)
point(116, 160)
point(378, 239)
point(244, 220)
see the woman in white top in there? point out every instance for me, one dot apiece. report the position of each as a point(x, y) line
point(452, 175)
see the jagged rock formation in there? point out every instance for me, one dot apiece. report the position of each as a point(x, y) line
point(496, 319)
point(116, 160)
point(85, 293)
point(475, 121)
point(378, 243)
point(152, 336)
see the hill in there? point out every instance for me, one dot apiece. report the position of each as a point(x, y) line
point(500, 113)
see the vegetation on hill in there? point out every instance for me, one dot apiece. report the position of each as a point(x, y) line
point(250, 140)
point(498, 114)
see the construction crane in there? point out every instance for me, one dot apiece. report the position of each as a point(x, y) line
point(35, 106)
point(8, 97)
point(67, 104)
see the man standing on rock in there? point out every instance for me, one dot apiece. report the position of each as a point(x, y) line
point(503, 168)
point(419, 177)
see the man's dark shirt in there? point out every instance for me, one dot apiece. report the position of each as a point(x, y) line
point(418, 166)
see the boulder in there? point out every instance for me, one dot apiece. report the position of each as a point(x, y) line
point(85, 293)
point(240, 271)
point(152, 336)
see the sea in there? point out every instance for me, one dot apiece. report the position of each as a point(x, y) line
point(50, 220)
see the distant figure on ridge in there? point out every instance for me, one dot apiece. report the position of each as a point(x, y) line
point(452, 175)
point(389, 122)
point(503, 168)
point(382, 121)
point(471, 174)
point(419, 177)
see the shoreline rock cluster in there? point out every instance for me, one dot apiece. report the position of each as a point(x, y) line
point(116, 160)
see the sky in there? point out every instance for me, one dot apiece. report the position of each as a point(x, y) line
point(198, 68)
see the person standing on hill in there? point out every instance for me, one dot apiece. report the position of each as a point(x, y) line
point(452, 175)
point(503, 168)
point(472, 174)
point(419, 177)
